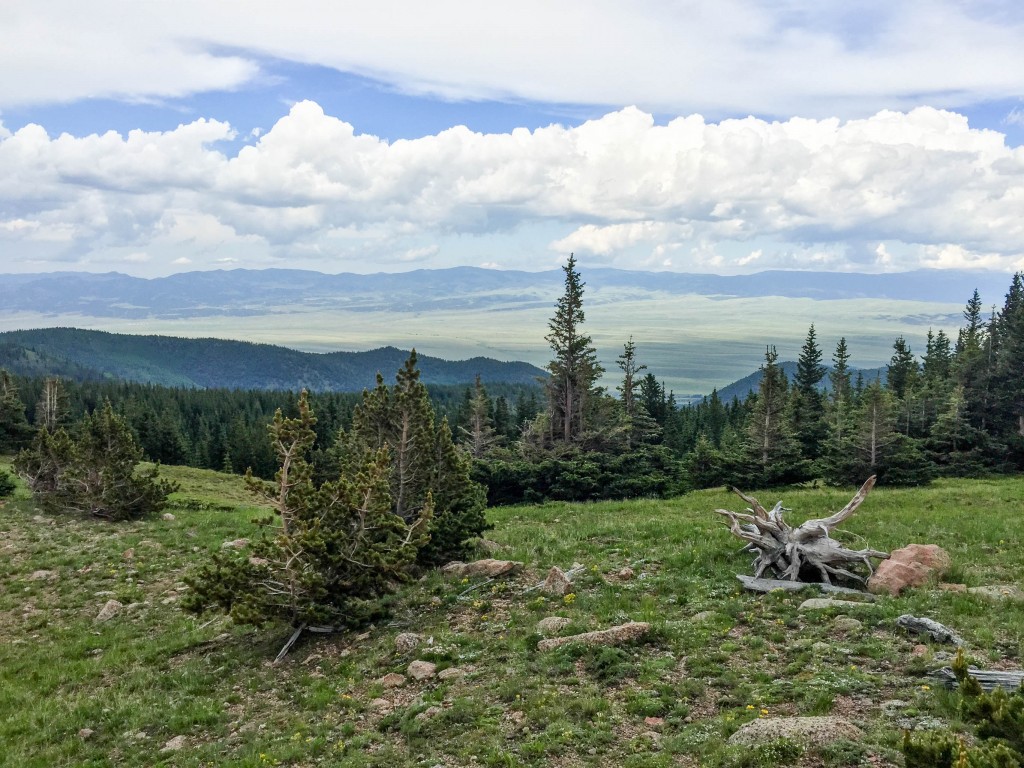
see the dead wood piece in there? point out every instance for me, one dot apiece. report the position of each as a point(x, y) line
point(988, 679)
point(769, 585)
point(786, 550)
point(940, 633)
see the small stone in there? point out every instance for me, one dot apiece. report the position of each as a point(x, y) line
point(919, 650)
point(380, 704)
point(557, 583)
point(109, 610)
point(552, 625)
point(484, 568)
point(85, 733)
point(625, 574)
point(700, 618)
point(178, 742)
point(948, 587)
point(623, 633)
point(128, 554)
point(42, 576)
point(428, 713)
point(487, 546)
point(421, 670)
point(235, 544)
point(392, 680)
point(451, 673)
point(846, 624)
point(407, 641)
point(654, 722)
point(167, 516)
point(999, 592)
point(436, 601)
point(825, 603)
point(169, 599)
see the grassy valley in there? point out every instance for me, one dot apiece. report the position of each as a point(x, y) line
point(717, 657)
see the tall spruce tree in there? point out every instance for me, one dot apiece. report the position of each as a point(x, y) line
point(574, 369)
point(807, 400)
point(478, 433)
point(1008, 372)
point(53, 409)
point(773, 452)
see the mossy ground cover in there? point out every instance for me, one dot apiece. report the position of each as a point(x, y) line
point(153, 673)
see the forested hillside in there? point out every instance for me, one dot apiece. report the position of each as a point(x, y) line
point(180, 362)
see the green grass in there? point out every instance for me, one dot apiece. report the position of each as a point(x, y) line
point(153, 673)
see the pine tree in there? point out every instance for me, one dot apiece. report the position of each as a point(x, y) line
point(15, 432)
point(478, 434)
point(574, 369)
point(772, 450)
point(807, 401)
point(53, 410)
point(1008, 372)
point(426, 470)
point(95, 473)
point(970, 362)
point(331, 551)
point(639, 425)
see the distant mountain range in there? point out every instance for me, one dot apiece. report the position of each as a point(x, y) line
point(207, 363)
point(243, 292)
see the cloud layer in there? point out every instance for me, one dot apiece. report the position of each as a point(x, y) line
point(893, 191)
point(724, 58)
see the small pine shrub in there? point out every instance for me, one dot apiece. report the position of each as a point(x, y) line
point(998, 718)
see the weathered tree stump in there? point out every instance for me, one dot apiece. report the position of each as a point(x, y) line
point(802, 553)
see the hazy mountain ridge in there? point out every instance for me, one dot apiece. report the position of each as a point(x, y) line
point(208, 363)
point(244, 292)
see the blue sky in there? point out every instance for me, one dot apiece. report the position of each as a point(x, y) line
point(727, 137)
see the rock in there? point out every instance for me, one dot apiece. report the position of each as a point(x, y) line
point(557, 583)
point(654, 722)
point(169, 599)
point(625, 574)
point(700, 618)
point(552, 625)
point(940, 633)
point(813, 731)
point(85, 733)
point(428, 713)
point(486, 568)
point(235, 544)
point(623, 633)
point(825, 603)
point(43, 576)
point(167, 516)
point(392, 680)
point(109, 610)
point(178, 742)
point(380, 705)
point(846, 624)
point(436, 601)
point(451, 673)
point(911, 566)
point(999, 592)
point(407, 641)
point(821, 648)
point(128, 554)
point(919, 650)
point(421, 670)
point(947, 587)
point(487, 546)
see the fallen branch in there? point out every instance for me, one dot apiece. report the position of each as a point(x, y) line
point(988, 679)
point(769, 585)
point(940, 633)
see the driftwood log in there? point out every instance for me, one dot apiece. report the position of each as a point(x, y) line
point(988, 679)
point(805, 553)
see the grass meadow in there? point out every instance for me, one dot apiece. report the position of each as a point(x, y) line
point(716, 657)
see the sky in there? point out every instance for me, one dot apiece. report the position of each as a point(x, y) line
point(729, 137)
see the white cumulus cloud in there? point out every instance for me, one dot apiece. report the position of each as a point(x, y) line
point(706, 195)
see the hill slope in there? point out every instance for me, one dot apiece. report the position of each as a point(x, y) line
point(173, 361)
